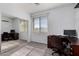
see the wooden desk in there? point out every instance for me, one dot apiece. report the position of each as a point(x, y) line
point(75, 48)
point(53, 40)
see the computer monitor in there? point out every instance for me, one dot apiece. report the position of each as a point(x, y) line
point(12, 30)
point(71, 33)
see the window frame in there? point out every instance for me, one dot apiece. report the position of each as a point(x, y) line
point(40, 25)
point(25, 25)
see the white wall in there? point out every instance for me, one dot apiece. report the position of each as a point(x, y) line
point(0, 31)
point(6, 26)
point(77, 20)
point(58, 19)
point(15, 24)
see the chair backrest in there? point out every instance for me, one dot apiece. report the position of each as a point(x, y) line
point(5, 34)
point(66, 44)
point(57, 42)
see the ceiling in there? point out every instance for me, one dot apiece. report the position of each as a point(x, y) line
point(29, 7)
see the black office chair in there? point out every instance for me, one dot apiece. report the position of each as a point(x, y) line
point(64, 48)
point(5, 36)
point(14, 35)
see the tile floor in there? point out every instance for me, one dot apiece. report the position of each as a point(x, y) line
point(6, 45)
point(29, 49)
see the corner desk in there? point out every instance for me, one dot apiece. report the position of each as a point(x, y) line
point(53, 40)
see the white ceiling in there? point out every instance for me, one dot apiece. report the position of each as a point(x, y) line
point(29, 7)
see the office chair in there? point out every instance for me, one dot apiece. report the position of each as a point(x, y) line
point(5, 36)
point(64, 48)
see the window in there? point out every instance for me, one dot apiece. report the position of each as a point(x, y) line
point(44, 24)
point(36, 25)
point(23, 26)
point(40, 24)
